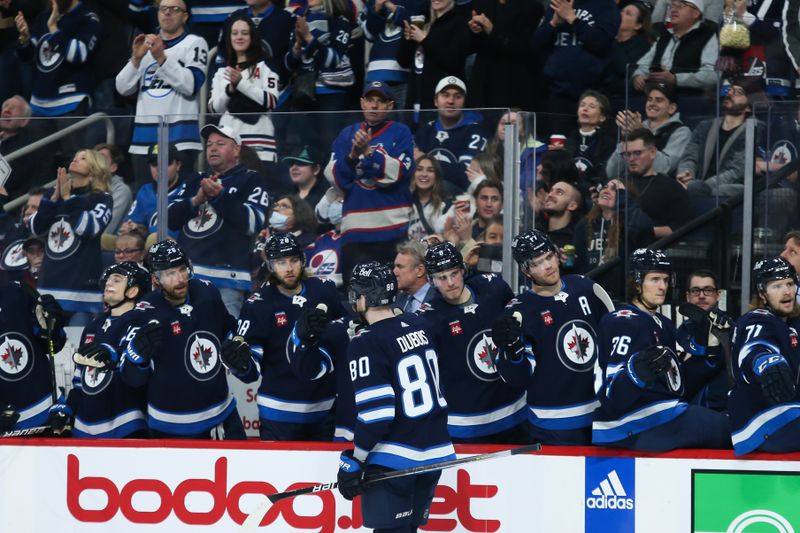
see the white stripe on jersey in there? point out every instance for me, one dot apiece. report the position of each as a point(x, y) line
point(366, 395)
point(104, 427)
point(294, 407)
point(188, 418)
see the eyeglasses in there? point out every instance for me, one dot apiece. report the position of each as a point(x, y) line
point(171, 9)
point(127, 251)
point(707, 291)
point(737, 91)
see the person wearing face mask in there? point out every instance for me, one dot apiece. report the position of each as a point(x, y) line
point(324, 255)
point(292, 215)
point(642, 397)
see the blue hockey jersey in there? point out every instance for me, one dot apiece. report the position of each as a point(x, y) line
point(376, 187)
point(64, 76)
point(761, 339)
point(217, 235)
point(104, 405)
point(144, 207)
point(479, 402)
point(453, 147)
point(330, 355)
point(402, 415)
point(25, 380)
point(560, 334)
point(266, 323)
point(12, 258)
point(385, 31)
point(71, 230)
point(324, 257)
point(627, 406)
point(187, 391)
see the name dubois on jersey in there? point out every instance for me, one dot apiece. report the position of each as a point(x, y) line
point(412, 340)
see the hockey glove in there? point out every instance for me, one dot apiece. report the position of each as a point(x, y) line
point(59, 418)
point(350, 480)
point(777, 383)
point(649, 364)
point(507, 336)
point(49, 313)
point(145, 344)
point(235, 355)
point(97, 355)
point(8, 417)
point(310, 326)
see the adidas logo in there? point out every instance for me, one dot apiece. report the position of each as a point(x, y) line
point(610, 494)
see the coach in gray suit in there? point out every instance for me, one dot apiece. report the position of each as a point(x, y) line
point(412, 279)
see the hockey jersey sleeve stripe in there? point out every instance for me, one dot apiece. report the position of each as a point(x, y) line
point(255, 219)
point(188, 418)
point(294, 407)
point(97, 429)
point(433, 454)
point(487, 417)
point(755, 348)
point(641, 414)
point(77, 51)
point(36, 409)
point(374, 393)
point(752, 435)
point(258, 352)
point(379, 414)
point(565, 412)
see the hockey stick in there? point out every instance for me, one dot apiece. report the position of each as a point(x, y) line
point(253, 521)
point(696, 314)
point(29, 432)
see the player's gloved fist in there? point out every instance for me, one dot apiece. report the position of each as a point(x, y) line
point(49, 312)
point(145, 344)
point(310, 325)
point(59, 417)
point(96, 355)
point(777, 382)
point(350, 479)
point(506, 331)
point(8, 417)
point(718, 324)
point(646, 366)
point(235, 354)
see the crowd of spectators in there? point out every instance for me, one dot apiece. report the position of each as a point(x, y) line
point(630, 118)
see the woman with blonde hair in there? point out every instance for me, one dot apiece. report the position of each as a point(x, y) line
point(71, 218)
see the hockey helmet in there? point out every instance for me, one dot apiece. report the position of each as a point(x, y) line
point(441, 257)
point(135, 274)
point(768, 270)
point(374, 280)
point(283, 245)
point(646, 260)
point(530, 245)
point(165, 255)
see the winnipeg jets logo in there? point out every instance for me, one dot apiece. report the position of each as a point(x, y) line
point(153, 85)
point(324, 263)
point(299, 300)
point(576, 345)
point(61, 240)
point(202, 355)
point(48, 57)
point(442, 136)
point(106, 325)
point(95, 380)
point(205, 223)
point(673, 375)
point(186, 309)
point(13, 256)
point(561, 297)
point(481, 352)
point(470, 309)
point(16, 357)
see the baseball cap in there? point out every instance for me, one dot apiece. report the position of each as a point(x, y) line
point(450, 81)
point(225, 131)
point(379, 87)
point(152, 154)
point(698, 4)
point(304, 155)
point(667, 89)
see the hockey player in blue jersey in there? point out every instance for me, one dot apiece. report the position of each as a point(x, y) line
point(402, 416)
point(642, 405)
point(481, 406)
point(553, 352)
point(289, 408)
point(28, 325)
point(764, 404)
point(176, 348)
point(100, 404)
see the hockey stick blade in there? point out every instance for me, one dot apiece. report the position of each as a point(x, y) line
point(29, 432)
point(252, 522)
